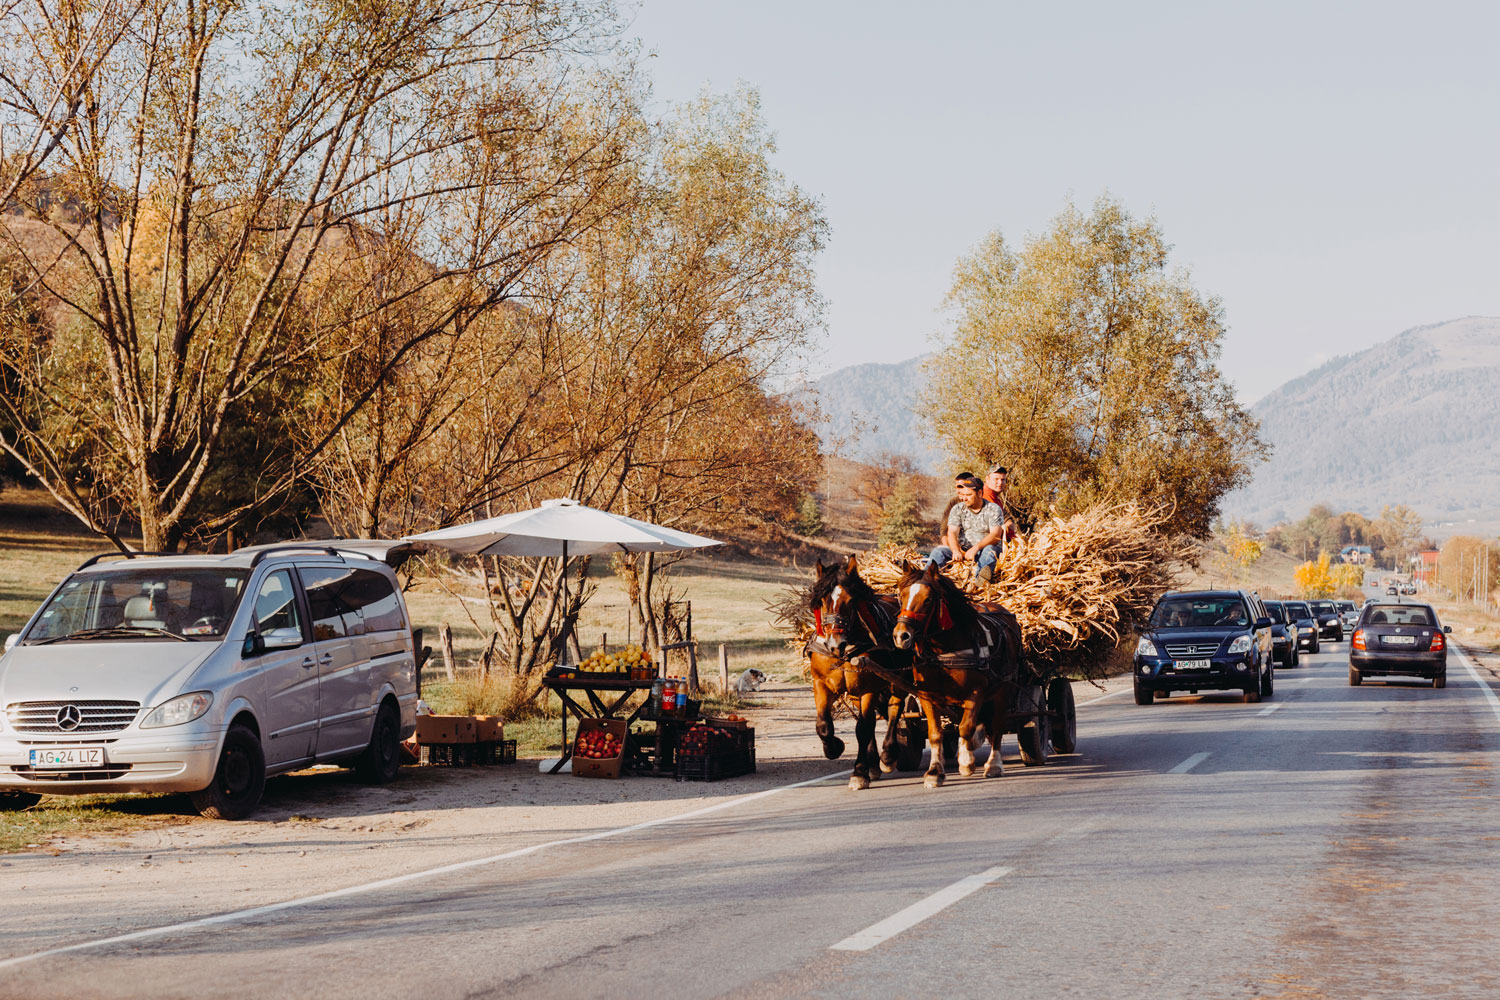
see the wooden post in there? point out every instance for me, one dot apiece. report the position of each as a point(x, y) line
point(692, 677)
point(445, 636)
point(604, 642)
point(723, 670)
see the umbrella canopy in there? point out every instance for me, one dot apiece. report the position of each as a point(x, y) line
point(560, 528)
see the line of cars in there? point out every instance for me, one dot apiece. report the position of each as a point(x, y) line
point(1231, 640)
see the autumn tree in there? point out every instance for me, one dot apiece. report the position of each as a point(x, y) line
point(215, 168)
point(1085, 364)
point(1315, 578)
point(1243, 547)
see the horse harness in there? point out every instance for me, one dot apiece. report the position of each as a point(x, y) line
point(879, 622)
point(987, 640)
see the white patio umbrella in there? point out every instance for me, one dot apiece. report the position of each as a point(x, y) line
point(560, 528)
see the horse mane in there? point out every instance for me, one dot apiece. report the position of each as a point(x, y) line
point(959, 607)
point(838, 575)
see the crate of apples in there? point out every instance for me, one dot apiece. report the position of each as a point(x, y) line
point(599, 749)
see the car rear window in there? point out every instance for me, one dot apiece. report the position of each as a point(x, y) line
point(1199, 612)
point(1299, 610)
point(1277, 613)
point(1397, 614)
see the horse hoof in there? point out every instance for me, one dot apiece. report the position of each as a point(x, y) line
point(966, 770)
point(993, 772)
point(858, 783)
point(887, 768)
point(933, 780)
point(833, 748)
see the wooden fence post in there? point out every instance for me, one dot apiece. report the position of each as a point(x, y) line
point(723, 670)
point(692, 676)
point(445, 636)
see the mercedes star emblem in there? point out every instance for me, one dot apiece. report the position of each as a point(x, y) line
point(68, 718)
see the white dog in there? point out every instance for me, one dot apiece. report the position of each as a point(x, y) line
point(750, 680)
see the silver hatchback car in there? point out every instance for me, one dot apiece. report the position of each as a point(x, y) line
point(207, 674)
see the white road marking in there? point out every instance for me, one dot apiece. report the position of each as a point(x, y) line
point(1189, 764)
point(1096, 701)
point(1270, 709)
point(1489, 693)
point(1301, 680)
point(386, 883)
point(918, 911)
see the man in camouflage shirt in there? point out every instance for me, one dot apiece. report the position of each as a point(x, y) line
point(974, 531)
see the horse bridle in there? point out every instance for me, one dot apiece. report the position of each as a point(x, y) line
point(838, 624)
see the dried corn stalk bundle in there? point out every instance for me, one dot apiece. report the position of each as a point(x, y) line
point(1079, 585)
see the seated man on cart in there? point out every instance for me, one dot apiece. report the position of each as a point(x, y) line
point(975, 530)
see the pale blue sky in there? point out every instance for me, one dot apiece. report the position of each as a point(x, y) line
point(1332, 171)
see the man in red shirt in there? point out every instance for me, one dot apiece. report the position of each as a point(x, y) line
point(996, 486)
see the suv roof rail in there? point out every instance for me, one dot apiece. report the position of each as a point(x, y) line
point(123, 555)
point(288, 550)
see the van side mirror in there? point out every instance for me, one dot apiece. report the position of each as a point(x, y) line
point(1446, 628)
point(1263, 622)
point(11, 640)
point(281, 638)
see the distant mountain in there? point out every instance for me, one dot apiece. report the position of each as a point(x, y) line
point(1413, 420)
point(868, 410)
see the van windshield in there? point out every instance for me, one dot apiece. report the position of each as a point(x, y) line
point(141, 603)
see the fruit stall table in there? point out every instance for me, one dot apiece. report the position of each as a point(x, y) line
point(604, 694)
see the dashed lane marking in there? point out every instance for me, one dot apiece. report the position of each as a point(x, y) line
point(1269, 709)
point(1189, 764)
point(918, 911)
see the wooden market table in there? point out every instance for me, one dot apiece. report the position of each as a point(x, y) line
point(604, 696)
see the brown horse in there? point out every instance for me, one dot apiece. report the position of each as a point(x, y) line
point(851, 626)
point(967, 661)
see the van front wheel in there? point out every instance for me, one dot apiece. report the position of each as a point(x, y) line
point(239, 781)
point(18, 800)
point(381, 761)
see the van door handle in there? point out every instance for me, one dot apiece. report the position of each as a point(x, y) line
point(326, 659)
point(307, 662)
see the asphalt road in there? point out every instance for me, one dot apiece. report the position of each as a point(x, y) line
point(1328, 842)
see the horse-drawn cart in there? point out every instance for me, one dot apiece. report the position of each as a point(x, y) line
point(1044, 713)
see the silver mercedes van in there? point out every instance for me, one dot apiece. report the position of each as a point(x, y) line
point(206, 674)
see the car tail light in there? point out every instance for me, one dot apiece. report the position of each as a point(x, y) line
point(1358, 641)
point(1437, 643)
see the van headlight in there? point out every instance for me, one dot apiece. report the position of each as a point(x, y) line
point(183, 708)
point(1146, 648)
point(1239, 645)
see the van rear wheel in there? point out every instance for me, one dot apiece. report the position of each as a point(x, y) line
point(11, 801)
point(239, 781)
point(381, 761)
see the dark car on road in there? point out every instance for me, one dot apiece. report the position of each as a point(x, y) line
point(1330, 625)
point(1399, 639)
point(1283, 635)
point(1304, 624)
point(1205, 640)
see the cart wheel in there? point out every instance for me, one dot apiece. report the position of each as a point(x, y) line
point(1033, 740)
point(910, 738)
point(1064, 714)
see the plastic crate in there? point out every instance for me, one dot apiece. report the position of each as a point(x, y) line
point(715, 765)
point(495, 752)
point(446, 754)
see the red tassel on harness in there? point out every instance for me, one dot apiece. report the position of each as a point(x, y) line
point(945, 620)
point(818, 621)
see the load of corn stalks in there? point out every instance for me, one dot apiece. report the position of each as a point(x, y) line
point(1080, 585)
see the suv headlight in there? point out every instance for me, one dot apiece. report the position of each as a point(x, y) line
point(183, 708)
point(1240, 645)
point(1146, 648)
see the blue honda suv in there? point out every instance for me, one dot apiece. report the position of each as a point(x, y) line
point(1205, 640)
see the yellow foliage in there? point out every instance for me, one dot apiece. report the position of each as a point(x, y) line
point(1316, 579)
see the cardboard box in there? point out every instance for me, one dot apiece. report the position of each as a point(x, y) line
point(489, 728)
point(606, 767)
point(445, 729)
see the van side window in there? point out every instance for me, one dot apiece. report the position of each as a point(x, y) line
point(327, 588)
point(276, 604)
point(373, 597)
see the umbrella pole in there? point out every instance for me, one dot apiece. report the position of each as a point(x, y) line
point(566, 626)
